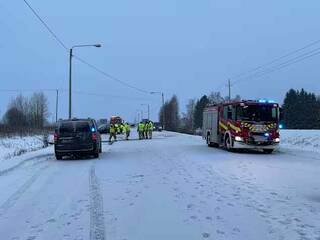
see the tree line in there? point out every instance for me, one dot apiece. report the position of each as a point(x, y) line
point(191, 120)
point(27, 112)
point(300, 110)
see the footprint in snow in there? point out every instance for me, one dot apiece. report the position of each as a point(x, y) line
point(235, 229)
point(220, 232)
point(31, 237)
point(205, 235)
point(190, 206)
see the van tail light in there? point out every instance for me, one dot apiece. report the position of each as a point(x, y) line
point(94, 136)
point(55, 137)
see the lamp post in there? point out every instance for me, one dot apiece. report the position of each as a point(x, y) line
point(163, 114)
point(148, 105)
point(70, 72)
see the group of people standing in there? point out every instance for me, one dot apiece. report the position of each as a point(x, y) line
point(118, 129)
point(145, 130)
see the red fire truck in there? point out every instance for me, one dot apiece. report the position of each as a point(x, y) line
point(242, 125)
point(116, 120)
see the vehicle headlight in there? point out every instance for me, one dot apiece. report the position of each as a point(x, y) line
point(276, 140)
point(238, 139)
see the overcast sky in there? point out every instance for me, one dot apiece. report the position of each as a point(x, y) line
point(189, 48)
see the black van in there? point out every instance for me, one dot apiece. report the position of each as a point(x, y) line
point(77, 137)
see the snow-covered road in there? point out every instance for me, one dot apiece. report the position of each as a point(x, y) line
point(170, 187)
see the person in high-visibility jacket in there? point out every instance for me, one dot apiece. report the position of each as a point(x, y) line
point(150, 129)
point(145, 132)
point(116, 126)
point(123, 128)
point(127, 130)
point(113, 133)
point(140, 129)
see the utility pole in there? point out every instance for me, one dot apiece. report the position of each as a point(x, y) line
point(163, 111)
point(229, 86)
point(70, 83)
point(70, 72)
point(57, 104)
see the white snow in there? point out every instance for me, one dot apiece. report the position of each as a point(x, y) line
point(171, 187)
point(15, 146)
point(307, 140)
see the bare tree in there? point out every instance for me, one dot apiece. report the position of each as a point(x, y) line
point(27, 112)
point(15, 118)
point(215, 97)
point(190, 114)
point(38, 110)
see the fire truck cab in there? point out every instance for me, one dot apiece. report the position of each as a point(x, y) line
point(251, 124)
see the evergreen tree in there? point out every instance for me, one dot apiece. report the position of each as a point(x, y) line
point(198, 111)
point(301, 110)
point(170, 113)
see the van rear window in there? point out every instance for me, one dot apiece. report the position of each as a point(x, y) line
point(82, 127)
point(66, 127)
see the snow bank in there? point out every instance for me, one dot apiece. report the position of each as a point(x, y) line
point(306, 140)
point(15, 146)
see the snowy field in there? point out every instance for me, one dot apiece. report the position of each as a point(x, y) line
point(171, 187)
point(16, 146)
point(306, 140)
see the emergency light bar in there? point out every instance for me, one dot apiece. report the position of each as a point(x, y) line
point(263, 100)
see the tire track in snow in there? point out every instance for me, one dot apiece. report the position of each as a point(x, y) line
point(97, 226)
point(38, 158)
point(11, 201)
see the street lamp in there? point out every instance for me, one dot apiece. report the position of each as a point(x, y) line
point(148, 109)
point(163, 113)
point(70, 71)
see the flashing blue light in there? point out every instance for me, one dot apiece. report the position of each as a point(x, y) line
point(266, 134)
point(93, 129)
point(281, 126)
point(265, 101)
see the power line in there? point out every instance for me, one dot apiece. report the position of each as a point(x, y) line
point(46, 26)
point(108, 96)
point(75, 92)
point(261, 74)
point(281, 65)
point(275, 60)
point(27, 90)
point(109, 76)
